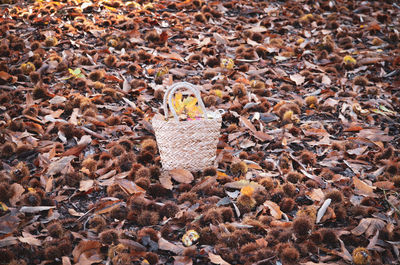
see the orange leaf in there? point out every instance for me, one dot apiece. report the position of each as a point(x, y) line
point(247, 190)
point(353, 129)
point(5, 76)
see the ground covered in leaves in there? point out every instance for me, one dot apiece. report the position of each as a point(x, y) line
point(308, 158)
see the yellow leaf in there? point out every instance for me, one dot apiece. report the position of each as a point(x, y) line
point(227, 63)
point(3, 207)
point(218, 93)
point(247, 190)
point(349, 60)
point(178, 104)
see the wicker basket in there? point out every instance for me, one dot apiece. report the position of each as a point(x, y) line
point(189, 144)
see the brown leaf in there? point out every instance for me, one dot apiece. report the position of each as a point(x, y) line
point(165, 180)
point(243, 183)
point(8, 223)
point(183, 260)
point(216, 259)
point(248, 124)
point(57, 166)
point(384, 185)
point(274, 209)
point(363, 187)
point(133, 245)
point(84, 246)
point(18, 191)
point(86, 185)
point(66, 261)
point(107, 207)
point(181, 175)
point(369, 226)
point(168, 246)
point(129, 186)
point(8, 241)
point(29, 239)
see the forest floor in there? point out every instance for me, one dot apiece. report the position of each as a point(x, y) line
point(308, 167)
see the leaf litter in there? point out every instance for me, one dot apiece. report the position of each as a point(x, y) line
point(307, 161)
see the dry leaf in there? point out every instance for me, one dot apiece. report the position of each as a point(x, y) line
point(274, 209)
point(181, 175)
point(18, 191)
point(298, 79)
point(363, 187)
point(369, 226)
point(35, 209)
point(57, 166)
point(216, 259)
point(84, 246)
point(322, 210)
point(86, 185)
point(168, 246)
point(129, 186)
point(29, 239)
point(183, 260)
point(165, 180)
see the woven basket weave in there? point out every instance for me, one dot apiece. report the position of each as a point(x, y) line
point(189, 144)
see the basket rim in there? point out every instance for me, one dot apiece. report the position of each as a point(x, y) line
point(160, 118)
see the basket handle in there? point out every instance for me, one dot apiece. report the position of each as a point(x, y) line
point(171, 91)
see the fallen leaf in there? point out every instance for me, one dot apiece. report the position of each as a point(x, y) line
point(363, 187)
point(181, 175)
point(18, 191)
point(84, 246)
point(86, 185)
point(168, 246)
point(369, 226)
point(274, 209)
point(57, 166)
point(8, 241)
point(322, 210)
point(183, 260)
point(384, 185)
point(298, 79)
point(35, 209)
point(216, 259)
point(129, 186)
point(29, 239)
point(165, 180)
